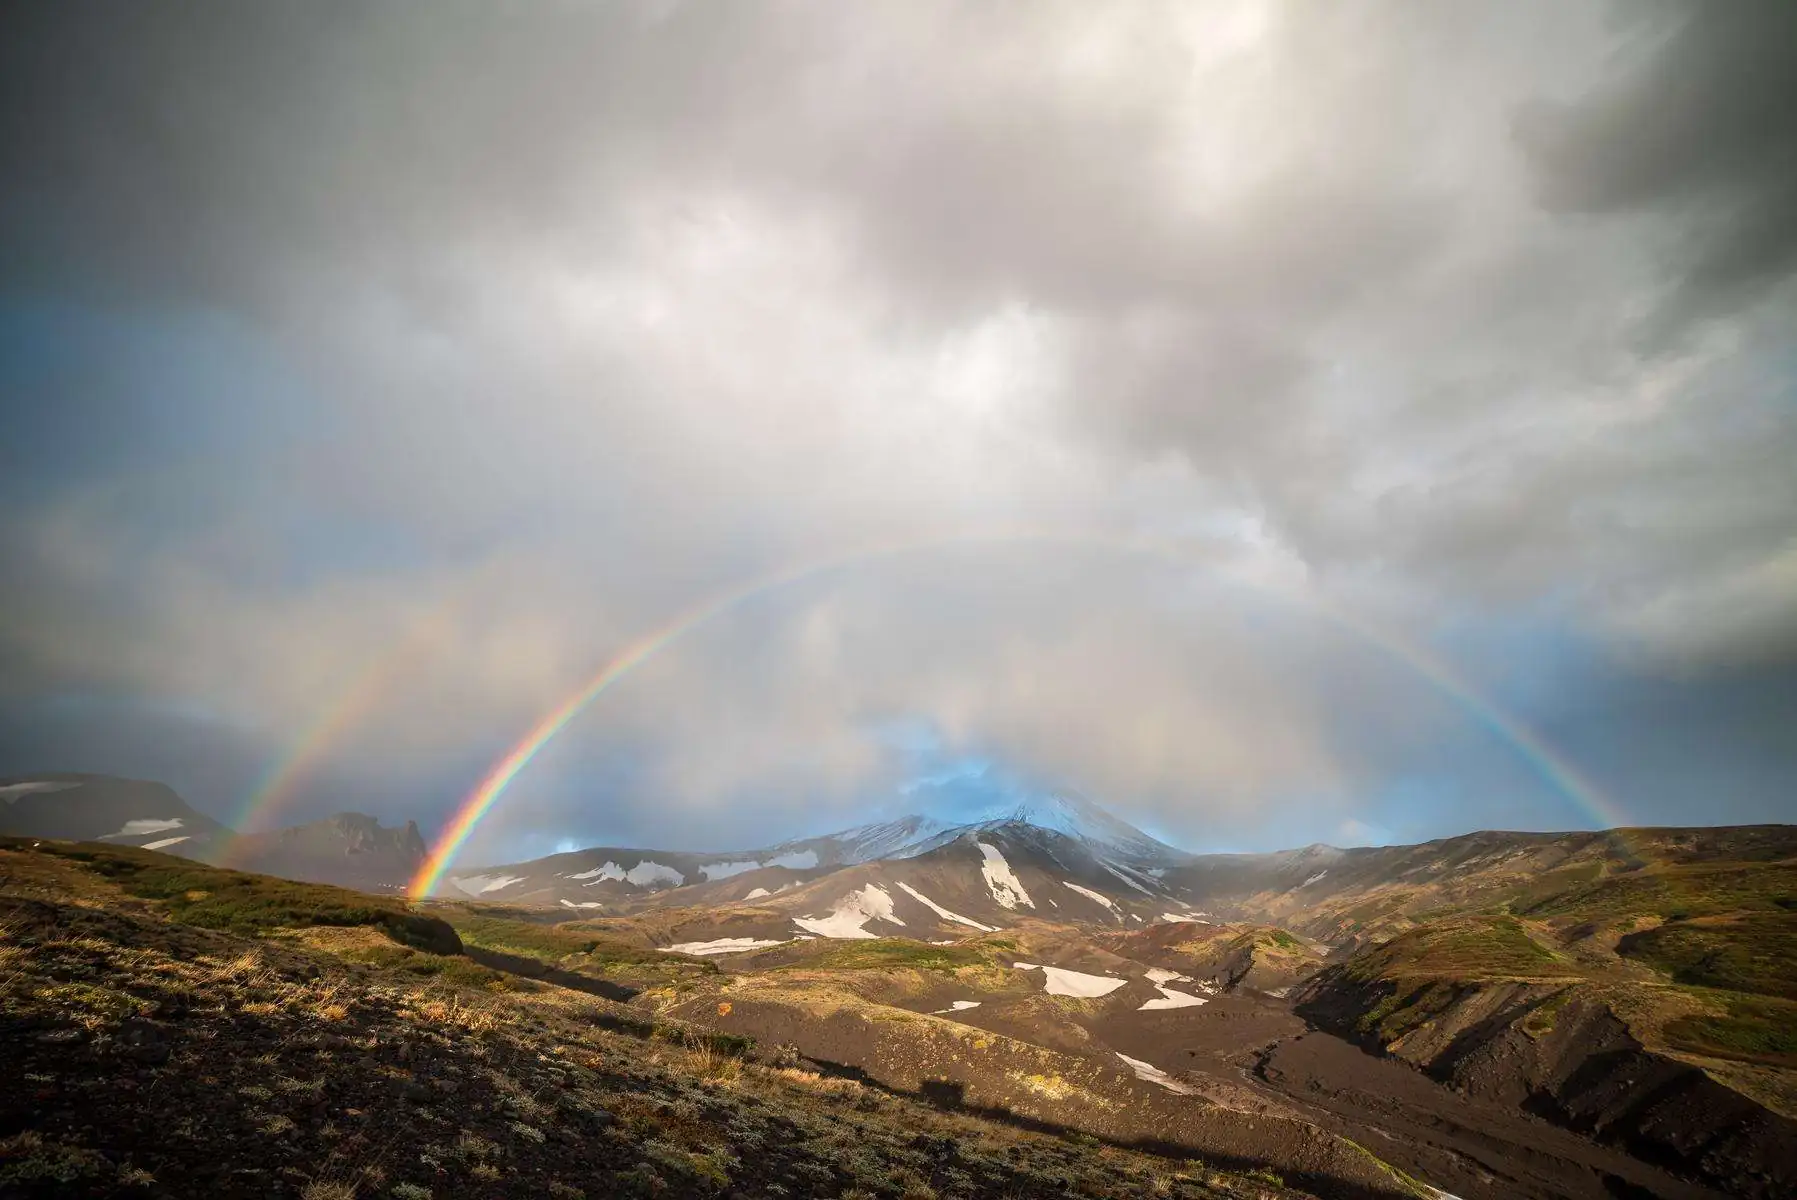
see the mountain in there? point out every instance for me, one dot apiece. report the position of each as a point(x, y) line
point(1101, 831)
point(348, 849)
point(905, 875)
point(104, 808)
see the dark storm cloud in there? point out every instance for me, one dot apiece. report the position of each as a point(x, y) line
point(513, 330)
point(1703, 127)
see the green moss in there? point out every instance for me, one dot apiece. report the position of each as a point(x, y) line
point(1757, 953)
point(546, 943)
point(1674, 892)
point(881, 954)
point(1758, 1029)
point(552, 944)
point(1544, 887)
point(1473, 948)
point(1544, 1016)
point(1405, 1009)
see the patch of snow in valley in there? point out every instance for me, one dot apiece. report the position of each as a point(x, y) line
point(642, 875)
point(478, 885)
point(1313, 879)
point(802, 860)
point(646, 873)
point(1089, 894)
point(13, 791)
point(1059, 981)
point(944, 913)
point(581, 904)
point(852, 913)
point(721, 946)
point(757, 894)
point(157, 845)
point(1162, 975)
point(1149, 1073)
point(1183, 919)
point(1001, 881)
point(145, 825)
point(1172, 999)
point(956, 1006)
point(724, 870)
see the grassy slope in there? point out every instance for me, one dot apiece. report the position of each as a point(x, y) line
point(158, 1057)
point(1721, 939)
point(214, 898)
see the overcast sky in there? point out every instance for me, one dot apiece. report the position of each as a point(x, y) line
point(430, 354)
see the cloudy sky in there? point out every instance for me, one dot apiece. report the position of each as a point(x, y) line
point(388, 368)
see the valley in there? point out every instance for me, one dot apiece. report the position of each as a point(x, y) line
point(1496, 1015)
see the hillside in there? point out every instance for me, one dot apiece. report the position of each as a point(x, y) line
point(1653, 1008)
point(249, 1048)
point(125, 812)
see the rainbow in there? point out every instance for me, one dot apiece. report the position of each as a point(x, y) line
point(279, 780)
point(1528, 745)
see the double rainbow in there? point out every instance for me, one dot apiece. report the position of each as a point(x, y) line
point(1525, 742)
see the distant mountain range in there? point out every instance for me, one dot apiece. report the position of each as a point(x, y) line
point(1059, 858)
point(349, 849)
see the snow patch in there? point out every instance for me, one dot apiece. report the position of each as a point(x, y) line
point(1183, 919)
point(642, 875)
point(852, 913)
point(145, 825)
point(1059, 981)
point(479, 885)
point(802, 860)
point(157, 845)
point(581, 904)
point(1001, 881)
point(942, 912)
point(1162, 975)
point(724, 870)
point(13, 791)
point(757, 894)
point(646, 873)
point(1172, 999)
point(956, 1006)
point(721, 946)
point(1149, 1073)
point(1313, 879)
point(1089, 894)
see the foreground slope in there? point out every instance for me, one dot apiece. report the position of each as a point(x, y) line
point(159, 1057)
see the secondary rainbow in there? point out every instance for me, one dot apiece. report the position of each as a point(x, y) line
point(1550, 765)
point(346, 710)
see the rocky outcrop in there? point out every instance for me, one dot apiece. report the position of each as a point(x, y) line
point(1558, 1049)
